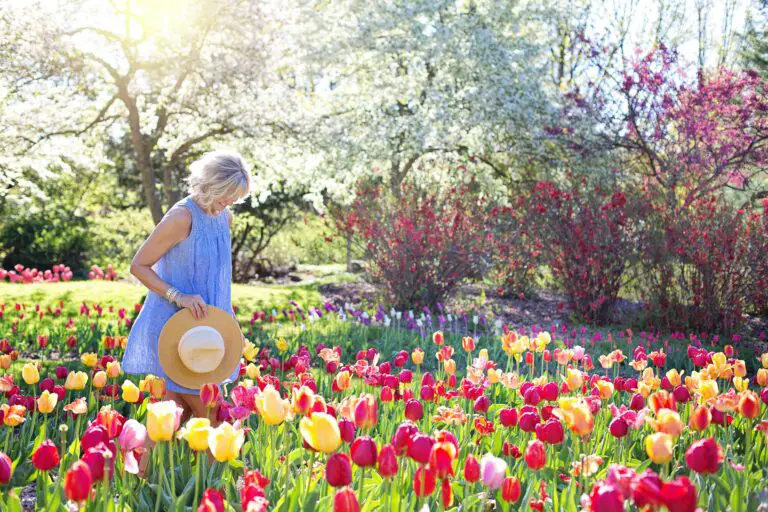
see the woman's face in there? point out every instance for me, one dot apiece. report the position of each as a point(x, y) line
point(221, 203)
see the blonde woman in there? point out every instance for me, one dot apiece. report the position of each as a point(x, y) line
point(186, 263)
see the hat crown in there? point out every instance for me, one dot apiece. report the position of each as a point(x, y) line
point(201, 349)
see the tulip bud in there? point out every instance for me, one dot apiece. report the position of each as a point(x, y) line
point(338, 470)
point(749, 406)
point(414, 410)
point(508, 417)
point(618, 428)
point(364, 451)
point(366, 412)
point(482, 403)
point(471, 469)
point(78, 482)
point(347, 430)
point(700, 418)
point(510, 489)
point(345, 501)
point(419, 448)
point(46, 456)
point(535, 455)
point(388, 461)
point(210, 395)
point(6, 468)
point(704, 456)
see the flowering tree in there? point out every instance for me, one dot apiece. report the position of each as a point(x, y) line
point(688, 138)
point(170, 77)
point(389, 85)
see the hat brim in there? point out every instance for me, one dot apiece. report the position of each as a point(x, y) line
point(174, 329)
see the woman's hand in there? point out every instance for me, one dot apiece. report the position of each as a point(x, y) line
point(195, 304)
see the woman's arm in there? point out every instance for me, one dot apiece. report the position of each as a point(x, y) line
point(171, 230)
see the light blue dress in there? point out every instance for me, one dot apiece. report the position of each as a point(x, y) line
point(200, 264)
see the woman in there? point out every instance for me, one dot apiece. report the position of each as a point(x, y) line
point(186, 263)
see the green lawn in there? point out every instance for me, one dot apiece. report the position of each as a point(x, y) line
point(125, 294)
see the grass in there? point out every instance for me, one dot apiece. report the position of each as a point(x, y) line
point(125, 294)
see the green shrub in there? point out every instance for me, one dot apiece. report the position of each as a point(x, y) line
point(115, 237)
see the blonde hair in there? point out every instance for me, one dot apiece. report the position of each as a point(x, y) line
point(218, 174)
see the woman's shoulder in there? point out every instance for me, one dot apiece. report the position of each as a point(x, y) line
point(177, 220)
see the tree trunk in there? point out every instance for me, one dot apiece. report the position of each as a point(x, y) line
point(349, 252)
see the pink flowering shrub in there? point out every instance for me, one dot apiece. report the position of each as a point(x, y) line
point(517, 250)
point(421, 245)
point(97, 273)
point(22, 274)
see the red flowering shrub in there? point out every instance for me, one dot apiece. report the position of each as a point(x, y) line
point(421, 245)
point(588, 237)
point(516, 250)
point(706, 266)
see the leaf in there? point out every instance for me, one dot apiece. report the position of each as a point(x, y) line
point(12, 503)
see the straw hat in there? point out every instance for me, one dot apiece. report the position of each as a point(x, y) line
point(197, 352)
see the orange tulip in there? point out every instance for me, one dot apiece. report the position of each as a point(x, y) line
point(749, 405)
point(700, 418)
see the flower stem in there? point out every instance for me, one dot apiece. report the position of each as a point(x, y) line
point(159, 448)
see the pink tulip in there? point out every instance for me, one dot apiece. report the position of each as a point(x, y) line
point(493, 471)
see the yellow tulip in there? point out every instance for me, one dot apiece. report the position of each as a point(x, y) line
point(740, 383)
point(76, 381)
point(659, 447)
point(604, 388)
point(708, 389)
point(100, 379)
point(573, 379)
point(762, 377)
point(13, 415)
point(272, 407)
point(130, 392)
point(494, 375)
point(89, 359)
point(145, 382)
point(225, 442)
point(30, 374)
point(675, 378)
point(668, 421)
point(321, 432)
point(764, 359)
point(418, 356)
point(250, 351)
point(282, 345)
point(113, 369)
point(450, 366)
point(161, 420)
point(196, 433)
point(576, 414)
point(252, 371)
point(47, 401)
point(740, 368)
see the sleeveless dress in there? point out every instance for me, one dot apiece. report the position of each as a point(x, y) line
point(200, 264)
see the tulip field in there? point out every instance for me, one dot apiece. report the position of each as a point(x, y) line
point(345, 410)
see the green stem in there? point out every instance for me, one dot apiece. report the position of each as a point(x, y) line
point(196, 500)
point(173, 471)
point(159, 448)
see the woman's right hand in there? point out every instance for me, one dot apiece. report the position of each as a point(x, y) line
point(195, 304)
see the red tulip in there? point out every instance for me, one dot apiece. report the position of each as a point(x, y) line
point(679, 495)
point(93, 435)
point(535, 455)
point(618, 427)
point(46, 457)
point(637, 402)
point(704, 456)
point(401, 358)
point(78, 482)
point(347, 430)
point(606, 498)
point(366, 412)
point(441, 459)
point(386, 394)
point(508, 417)
point(550, 432)
point(482, 403)
point(387, 461)
point(749, 405)
point(471, 469)
point(338, 470)
point(510, 489)
point(528, 421)
point(427, 380)
point(97, 458)
point(549, 392)
point(345, 501)
point(6, 468)
point(402, 436)
point(210, 395)
point(427, 393)
point(61, 372)
point(413, 410)
point(213, 501)
point(420, 447)
point(424, 481)
point(446, 493)
point(764, 395)
point(364, 451)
